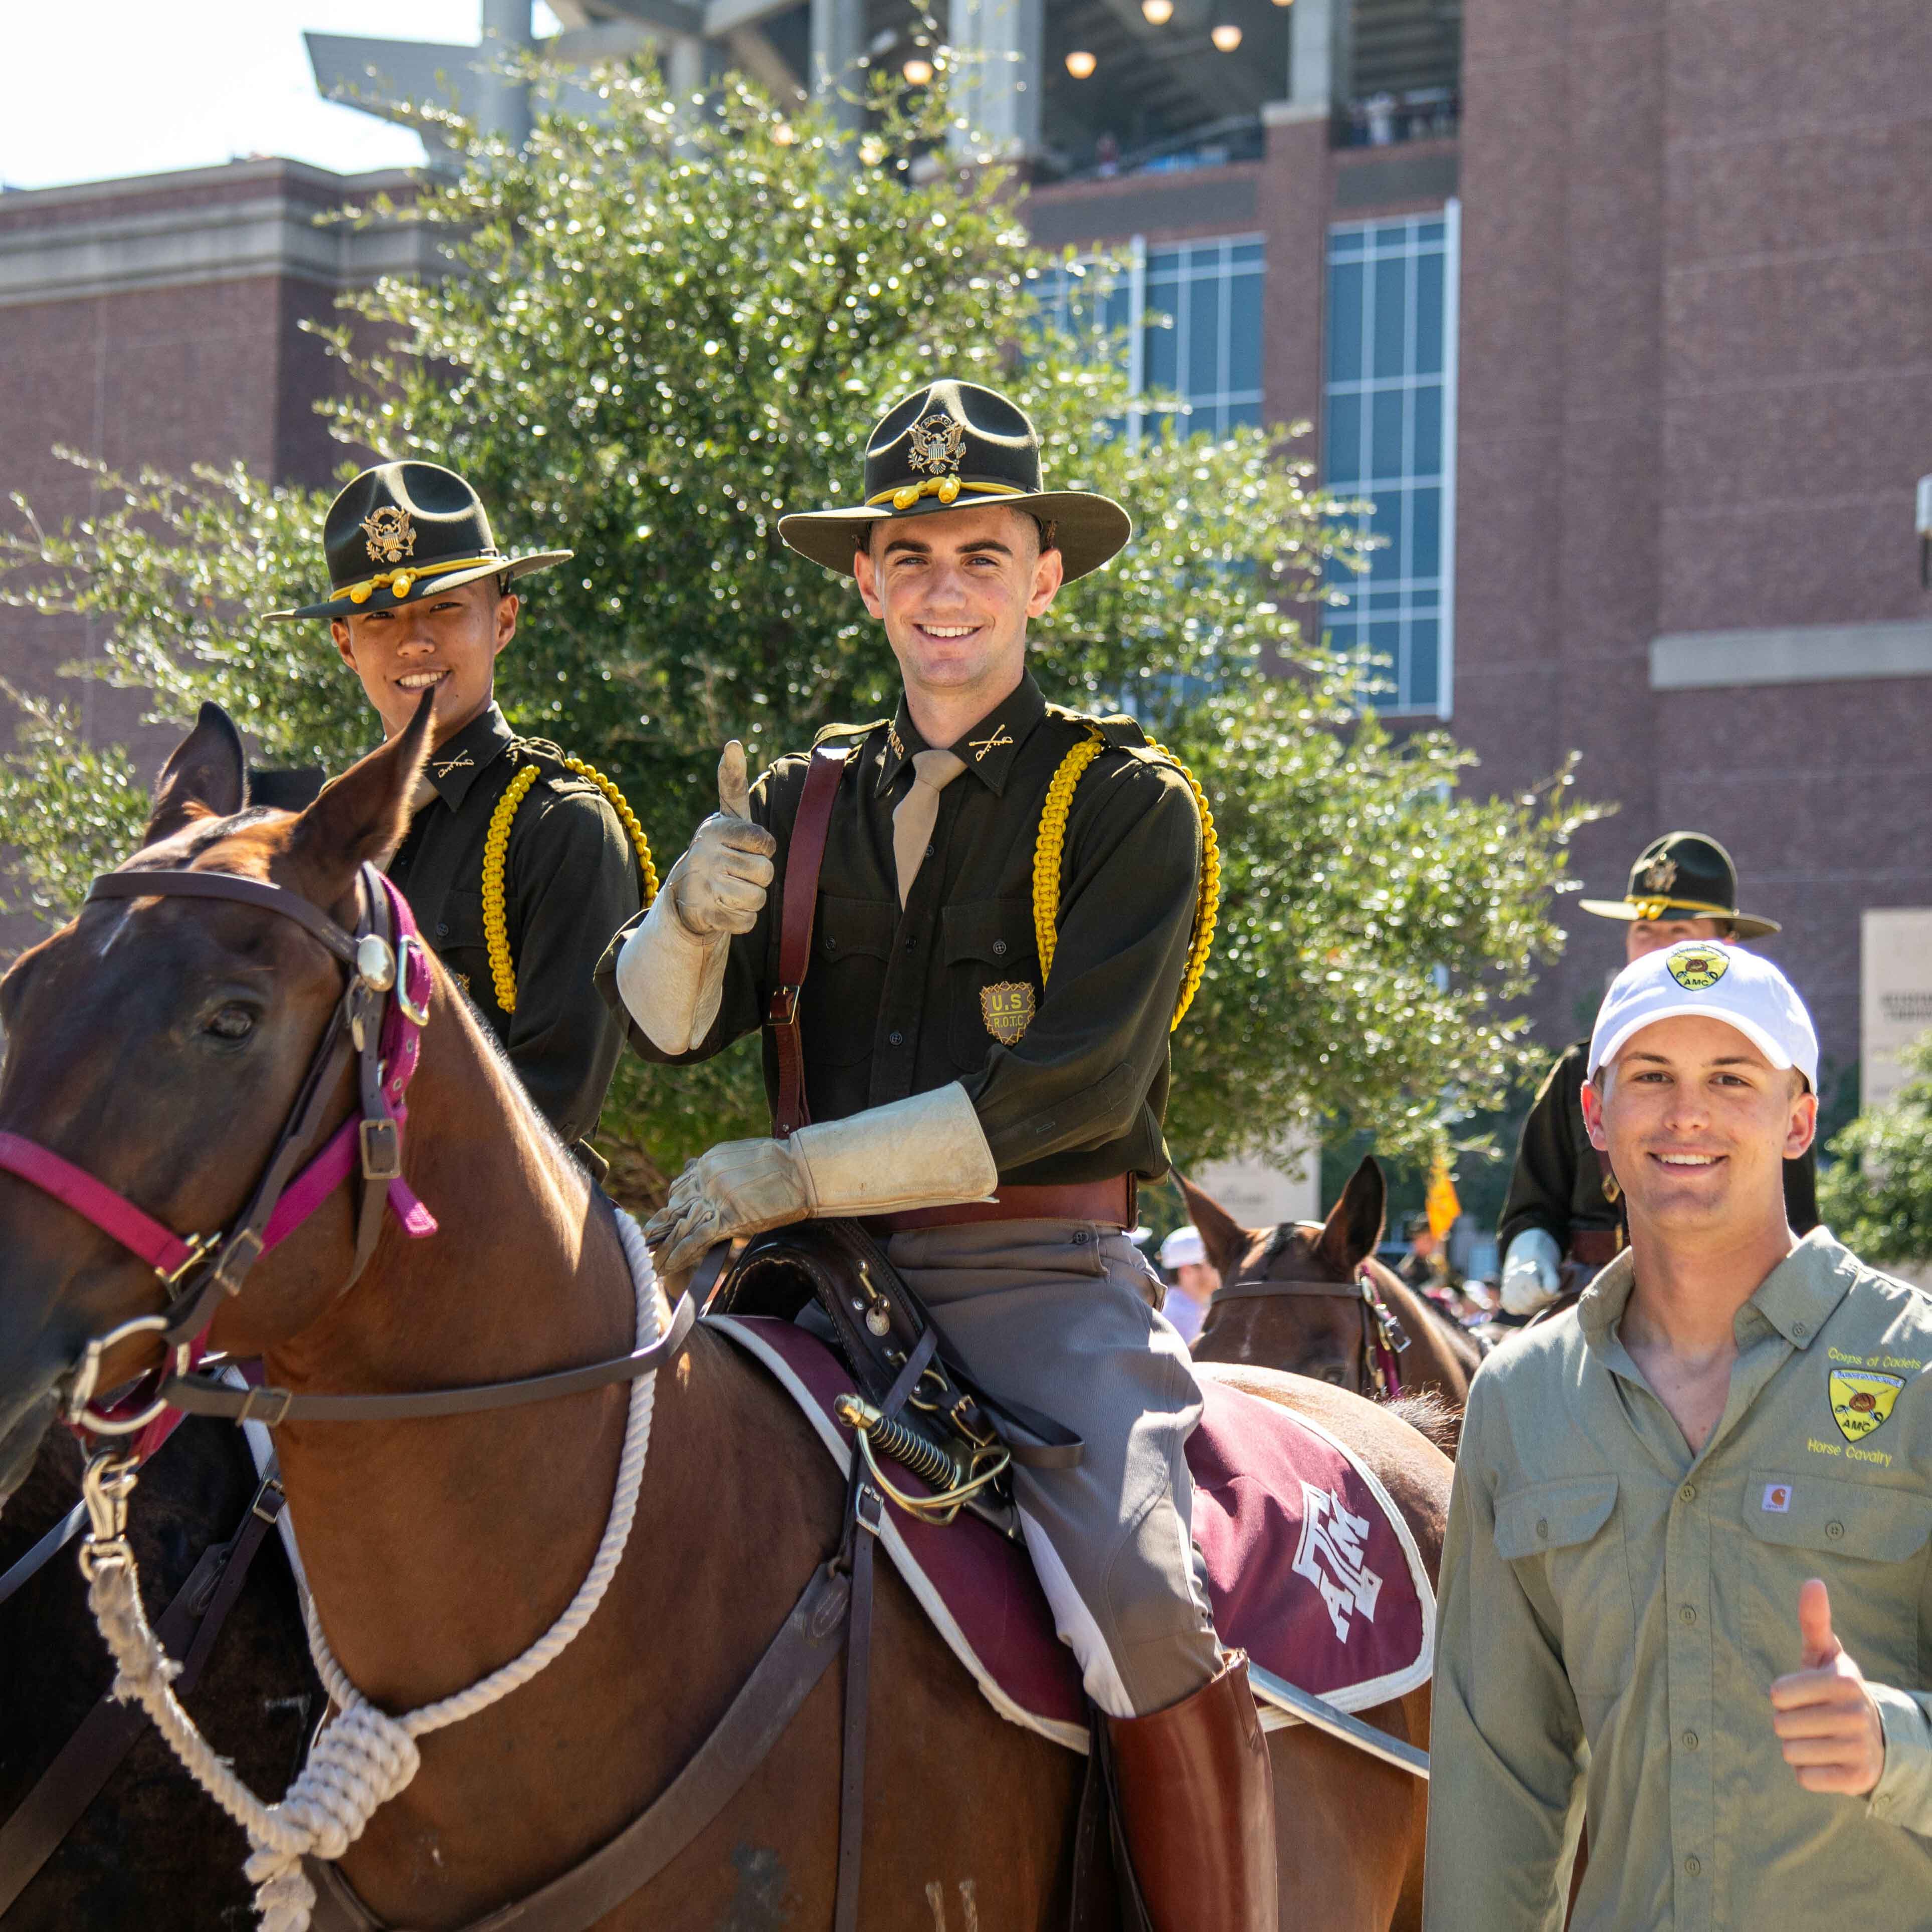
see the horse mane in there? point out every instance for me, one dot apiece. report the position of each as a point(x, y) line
point(1433, 1419)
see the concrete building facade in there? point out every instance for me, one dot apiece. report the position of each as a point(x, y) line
point(1620, 314)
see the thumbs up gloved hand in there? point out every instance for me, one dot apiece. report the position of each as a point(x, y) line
point(1824, 1714)
point(720, 884)
point(670, 968)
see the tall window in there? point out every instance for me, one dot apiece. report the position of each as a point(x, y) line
point(1192, 312)
point(1389, 435)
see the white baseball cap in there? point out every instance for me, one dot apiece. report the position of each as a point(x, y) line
point(1705, 978)
point(1183, 1245)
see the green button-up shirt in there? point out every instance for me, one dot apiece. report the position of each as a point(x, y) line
point(1613, 1609)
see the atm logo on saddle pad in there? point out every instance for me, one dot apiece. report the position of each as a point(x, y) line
point(1861, 1400)
point(1330, 1556)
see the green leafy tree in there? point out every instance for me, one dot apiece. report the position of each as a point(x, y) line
point(1875, 1193)
point(663, 330)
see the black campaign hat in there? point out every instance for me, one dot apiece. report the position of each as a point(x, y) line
point(1683, 875)
point(949, 445)
point(402, 530)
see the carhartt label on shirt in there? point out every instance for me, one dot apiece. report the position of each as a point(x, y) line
point(1777, 1497)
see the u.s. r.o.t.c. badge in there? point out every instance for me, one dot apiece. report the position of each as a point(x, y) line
point(1007, 1009)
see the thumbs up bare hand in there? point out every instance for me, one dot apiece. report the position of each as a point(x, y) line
point(720, 884)
point(1826, 1717)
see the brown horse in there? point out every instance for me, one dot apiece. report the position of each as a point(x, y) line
point(158, 1043)
point(1329, 1337)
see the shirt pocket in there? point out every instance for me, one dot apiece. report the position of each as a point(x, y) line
point(988, 947)
point(1572, 1531)
point(851, 947)
point(1867, 1540)
point(457, 938)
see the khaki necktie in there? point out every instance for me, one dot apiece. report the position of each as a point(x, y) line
point(914, 815)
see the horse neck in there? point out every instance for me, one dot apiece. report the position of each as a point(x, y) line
point(438, 1549)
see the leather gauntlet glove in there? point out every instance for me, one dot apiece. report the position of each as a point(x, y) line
point(1531, 1271)
point(927, 1151)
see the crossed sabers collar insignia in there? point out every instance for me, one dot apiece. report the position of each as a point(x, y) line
point(442, 767)
point(979, 747)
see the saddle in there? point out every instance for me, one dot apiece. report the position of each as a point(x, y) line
point(957, 1441)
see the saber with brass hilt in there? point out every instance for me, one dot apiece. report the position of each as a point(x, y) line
point(953, 1474)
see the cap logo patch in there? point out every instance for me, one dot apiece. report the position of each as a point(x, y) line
point(1659, 876)
point(1861, 1401)
point(936, 444)
point(1007, 1009)
point(1696, 968)
point(392, 536)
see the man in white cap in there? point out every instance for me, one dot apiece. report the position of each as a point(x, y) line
point(1192, 1279)
point(1685, 1581)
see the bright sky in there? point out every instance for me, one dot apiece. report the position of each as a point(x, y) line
point(90, 89)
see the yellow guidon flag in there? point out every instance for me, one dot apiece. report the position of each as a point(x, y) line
point(1860, 1401)
point(1441, 1203)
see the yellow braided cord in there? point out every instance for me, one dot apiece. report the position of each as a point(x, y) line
point(1051, 843)
point(626, 817)
point(1049, 850)
point(496, 856)
point(1207, 906)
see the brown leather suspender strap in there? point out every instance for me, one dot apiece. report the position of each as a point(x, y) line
point(803, 857)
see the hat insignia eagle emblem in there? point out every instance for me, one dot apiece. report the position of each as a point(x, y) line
point(392, 536)
point(1659, 876)
point(935, 444)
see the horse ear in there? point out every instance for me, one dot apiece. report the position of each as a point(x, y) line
point(1353, 1228)
point(207, 777)
point(362, 816)
point(1224, 1237)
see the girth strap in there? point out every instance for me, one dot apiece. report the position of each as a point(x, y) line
point(758, 1717)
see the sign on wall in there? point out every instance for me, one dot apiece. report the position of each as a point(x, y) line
point(1895, 996)
point(1258, 1193)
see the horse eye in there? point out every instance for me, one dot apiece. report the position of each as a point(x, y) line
point(231, 1023)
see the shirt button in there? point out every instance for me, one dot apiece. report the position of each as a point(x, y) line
point(999, 948)
point(1834, 1529)
point(896, 1039)
point(442, 929)
point(1542, 1527)
point(1688, 1494)
point(1692, 1865)
point(1690, 1740)
point(1687, 1614)
point(1800, 1329)
point(910, 944)
point(831, 944)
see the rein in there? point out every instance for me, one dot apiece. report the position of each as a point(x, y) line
point(1384, 1338)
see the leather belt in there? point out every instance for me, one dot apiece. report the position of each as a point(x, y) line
point(1112, 1201)
point(1596, 1247)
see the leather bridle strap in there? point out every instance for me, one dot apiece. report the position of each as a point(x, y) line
point(114, 1214)
point(1357, 1290)
point(1379, 1350)
point(206, 1395)
point(183, 885)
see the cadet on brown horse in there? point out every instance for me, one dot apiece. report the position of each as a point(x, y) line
point(158, 1046)
point(1305, 1297)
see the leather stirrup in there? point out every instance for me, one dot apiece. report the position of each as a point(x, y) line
point(1196, 1792)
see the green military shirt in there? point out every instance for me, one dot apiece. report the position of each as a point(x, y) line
point(1613, 1609)
point(1558, 1183)
point(899, 1002)
point(570, 879)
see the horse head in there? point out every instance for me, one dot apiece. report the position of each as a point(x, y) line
point(1300, 1328)
point(158, 1044)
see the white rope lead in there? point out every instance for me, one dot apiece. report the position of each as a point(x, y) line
point(363, 1756)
